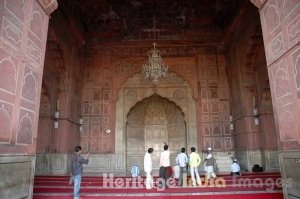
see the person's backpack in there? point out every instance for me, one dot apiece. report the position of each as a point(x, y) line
point(257, 168)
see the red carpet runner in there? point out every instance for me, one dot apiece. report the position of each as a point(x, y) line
point(244, 196)
point(249, 186)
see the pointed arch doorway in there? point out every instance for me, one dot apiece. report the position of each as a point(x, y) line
point(138, 104)
point(151, 123)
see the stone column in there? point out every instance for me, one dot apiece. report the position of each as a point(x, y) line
point(24, 26)
point(281, 24)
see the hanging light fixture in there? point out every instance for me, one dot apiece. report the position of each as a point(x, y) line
point(155, 69)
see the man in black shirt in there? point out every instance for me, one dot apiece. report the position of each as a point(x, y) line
point(77, 169)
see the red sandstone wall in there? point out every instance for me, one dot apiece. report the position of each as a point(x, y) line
point(61, 89)
point(250, 86)
point(280, 24)
point(214, 103)
point(108, 67)
point(22, 47)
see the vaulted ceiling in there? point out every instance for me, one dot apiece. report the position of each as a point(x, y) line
point(148, 19)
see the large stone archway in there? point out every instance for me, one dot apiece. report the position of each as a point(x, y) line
point(175, 93)
point(151, 123)
point(281, 40)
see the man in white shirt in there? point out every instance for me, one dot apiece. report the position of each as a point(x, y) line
point(235, 168)
point(148, 168)
point(164, 165)
point(181, 161)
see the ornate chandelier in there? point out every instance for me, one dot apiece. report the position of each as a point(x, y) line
point(155, 69)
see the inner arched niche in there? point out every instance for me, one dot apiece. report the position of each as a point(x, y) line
point(133, 91)
point(151, 123)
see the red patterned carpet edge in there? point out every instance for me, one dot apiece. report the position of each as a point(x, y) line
point(57, 187)
point(225, 196)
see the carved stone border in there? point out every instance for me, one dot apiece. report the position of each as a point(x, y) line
point(258, 3)
point(48, 5)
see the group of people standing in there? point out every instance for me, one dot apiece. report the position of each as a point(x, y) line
point(183, 162)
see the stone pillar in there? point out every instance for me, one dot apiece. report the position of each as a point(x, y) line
point(281, 24)
point(24, 26)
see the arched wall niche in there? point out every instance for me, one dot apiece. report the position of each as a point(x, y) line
point(151, 123)
point(147, 99)
point(135, 89)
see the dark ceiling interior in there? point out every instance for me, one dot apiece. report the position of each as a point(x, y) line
point(129, 19)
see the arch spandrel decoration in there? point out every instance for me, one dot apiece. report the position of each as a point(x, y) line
point(177, 95)
point(131, 67)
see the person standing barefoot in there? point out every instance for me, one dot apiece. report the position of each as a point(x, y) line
point(148, 168)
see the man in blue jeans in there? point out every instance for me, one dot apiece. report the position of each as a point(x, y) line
point(77, 168)
point(182, 161)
